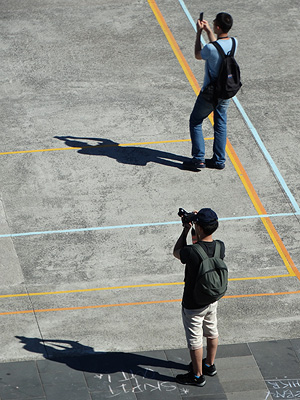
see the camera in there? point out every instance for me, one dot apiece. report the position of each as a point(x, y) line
point(187, 216)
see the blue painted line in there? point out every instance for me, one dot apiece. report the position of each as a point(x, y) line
point(260, 216)
point(252, 128)
point(267, 154)
point(98, 228)
point(190, 18)
point(187, 13)
point(102, 228)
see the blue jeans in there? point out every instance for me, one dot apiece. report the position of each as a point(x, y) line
point(202, 109)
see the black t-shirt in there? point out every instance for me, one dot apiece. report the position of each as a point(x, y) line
point(192, 260)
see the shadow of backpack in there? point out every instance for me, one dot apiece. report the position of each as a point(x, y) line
point(212, 279)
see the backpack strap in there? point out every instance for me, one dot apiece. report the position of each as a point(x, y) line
point(232, 51)
point(201, 252)
point(217, 252)
point(220, 49)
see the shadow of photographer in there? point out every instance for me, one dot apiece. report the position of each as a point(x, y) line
point(133, 155)
point(83, 358)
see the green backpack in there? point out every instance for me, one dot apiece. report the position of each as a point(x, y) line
point(212, 278)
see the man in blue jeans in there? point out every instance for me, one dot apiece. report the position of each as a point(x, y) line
point(222, 25)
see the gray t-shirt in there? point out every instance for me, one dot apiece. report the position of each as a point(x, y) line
point(213, 59)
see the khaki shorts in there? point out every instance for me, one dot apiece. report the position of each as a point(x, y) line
point(199, 323)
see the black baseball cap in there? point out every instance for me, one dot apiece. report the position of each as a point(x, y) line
point(206, 216)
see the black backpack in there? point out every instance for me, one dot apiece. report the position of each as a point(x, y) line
point(228, 82)
point(212, 278)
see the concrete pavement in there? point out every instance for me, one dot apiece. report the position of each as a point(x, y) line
point(94, 126)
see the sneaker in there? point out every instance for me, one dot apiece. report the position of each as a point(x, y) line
point(208, 370)
point(191, 379)
point(193, 164)
point(210, 163)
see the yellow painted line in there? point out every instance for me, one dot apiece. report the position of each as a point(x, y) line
point(293, 271)
point(93, 289)
point(97, 146)
point(138, 303)
point(288, 262)
point(261, 277)
point(3, 296)
point(230, 151)
point(184, 65)
point(237, 296)
point(182, 61)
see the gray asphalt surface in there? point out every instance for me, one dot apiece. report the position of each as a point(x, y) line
point(75, 75)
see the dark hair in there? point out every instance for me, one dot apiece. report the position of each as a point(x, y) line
point(209, 229)
point(224, 21)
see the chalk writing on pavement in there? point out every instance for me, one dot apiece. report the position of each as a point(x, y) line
point(283, 389)
point(125, 382)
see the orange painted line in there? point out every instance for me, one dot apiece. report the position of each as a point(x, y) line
point(147, 285)
point(234, 158)
point(142, 303)
point(292, 269)
point(182, 61)
point(89, 307)
point(237, 296)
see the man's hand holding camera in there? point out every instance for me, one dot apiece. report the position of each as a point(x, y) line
point(187, 223)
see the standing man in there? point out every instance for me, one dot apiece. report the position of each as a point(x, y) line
point(222, 25)
point(198, 320)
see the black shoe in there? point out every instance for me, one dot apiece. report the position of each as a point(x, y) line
point(210, 371)
point(211, 163)
point(193, 164)
point(191, 379)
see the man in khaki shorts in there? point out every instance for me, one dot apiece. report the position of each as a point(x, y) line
point(198, 320)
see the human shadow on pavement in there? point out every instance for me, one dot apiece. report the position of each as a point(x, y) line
point(83, 358)
point(132, 155)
